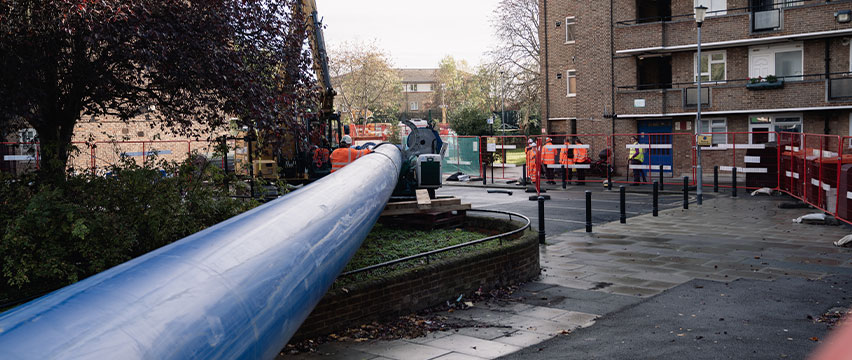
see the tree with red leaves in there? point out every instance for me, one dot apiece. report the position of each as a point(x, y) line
point(193, 61)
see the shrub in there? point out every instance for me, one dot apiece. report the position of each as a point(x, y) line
point(52, 235)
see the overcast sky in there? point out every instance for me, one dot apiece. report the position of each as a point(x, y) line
point(417, 34)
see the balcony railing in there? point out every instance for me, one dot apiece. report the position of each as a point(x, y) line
point(767, 14)
point(840, 88)
point(710, 83)
point(806, 90)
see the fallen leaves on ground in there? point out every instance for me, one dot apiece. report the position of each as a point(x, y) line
point(410, 326)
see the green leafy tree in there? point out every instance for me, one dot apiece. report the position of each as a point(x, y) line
point(366, 82)
point(187, 62)
point(471, 121)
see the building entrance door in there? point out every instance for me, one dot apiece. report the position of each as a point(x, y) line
point(659, 136)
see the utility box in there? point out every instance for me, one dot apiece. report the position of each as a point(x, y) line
point(429, 171)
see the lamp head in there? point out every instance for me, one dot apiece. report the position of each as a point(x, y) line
point(843, 16)
point(700, 13)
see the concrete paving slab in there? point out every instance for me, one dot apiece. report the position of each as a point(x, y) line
point(523, 338)
point(484, 333)
point(457, 356)
point(472, 346)
point(402, 350)
point(541, 312)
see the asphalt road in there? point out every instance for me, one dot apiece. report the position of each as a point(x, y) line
point(703, 319)
point(566, 209)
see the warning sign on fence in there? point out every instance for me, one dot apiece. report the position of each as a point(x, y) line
point(491, 146)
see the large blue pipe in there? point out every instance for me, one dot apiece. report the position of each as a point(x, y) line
point(239, 289)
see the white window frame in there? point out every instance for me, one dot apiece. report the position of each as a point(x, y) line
point(413, 106)
point(711, 126)
point(570, 22)
point(710, 63)
point(722, 6)
point(775, 49)
point(771, 124)
point(568, 77)
point(411, 87)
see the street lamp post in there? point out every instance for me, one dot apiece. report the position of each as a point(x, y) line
point(700, 13)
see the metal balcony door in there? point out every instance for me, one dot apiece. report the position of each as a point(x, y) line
point(659, 132)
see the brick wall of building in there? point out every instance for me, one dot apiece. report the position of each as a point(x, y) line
point(814, 17)
point(424, 287)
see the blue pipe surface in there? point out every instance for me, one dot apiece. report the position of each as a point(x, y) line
point(239, 289)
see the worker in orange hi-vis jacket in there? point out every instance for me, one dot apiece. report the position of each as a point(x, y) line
point(532, 168)
point(566, 159)
point(548, 157)
point(581, 156)
point(345, 154)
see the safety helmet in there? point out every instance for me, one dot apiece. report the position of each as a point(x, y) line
point(346, 140)
point(548, 140)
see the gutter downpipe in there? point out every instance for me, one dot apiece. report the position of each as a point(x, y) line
point(237, 290)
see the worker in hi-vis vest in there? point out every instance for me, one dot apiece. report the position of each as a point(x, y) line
point(636, 156)
point(345, 154)
point(548, 157)
point(581, 156)
point(532, 168)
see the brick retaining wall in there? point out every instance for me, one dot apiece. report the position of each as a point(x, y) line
point(424, 287)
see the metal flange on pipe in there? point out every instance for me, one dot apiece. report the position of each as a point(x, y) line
point(237, 290)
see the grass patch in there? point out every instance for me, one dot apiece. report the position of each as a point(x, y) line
point(386, 243)
point(515, 156)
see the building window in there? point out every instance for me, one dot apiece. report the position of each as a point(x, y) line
point(759, 125)
point(413, 106)
point(785, 61)
point(570, 22)
point(850, 56)
point(412, 87)
point(571, 79)
point(714, 7)
point(715, 127)
point(713, 67)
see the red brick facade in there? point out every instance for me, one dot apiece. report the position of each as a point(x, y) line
point(824, 44)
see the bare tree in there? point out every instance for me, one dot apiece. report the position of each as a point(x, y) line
point(365, 81)
point(515, 24)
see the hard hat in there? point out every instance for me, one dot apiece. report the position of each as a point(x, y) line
point(346, 140)
point(530, 141)
point(548, 140)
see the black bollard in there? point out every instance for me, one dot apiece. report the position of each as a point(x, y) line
point(541, 219)
point(715, 179)
point(686, 192)
point(524, 175)
point(564, 173)
point(662, 180)
point(608, 177)
point(622, 203)
point(588, 211)
point(734, 182)
point(484, 175)
point(656, 199)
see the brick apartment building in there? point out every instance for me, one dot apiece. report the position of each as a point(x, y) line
point(418, 93)
point(637, 59)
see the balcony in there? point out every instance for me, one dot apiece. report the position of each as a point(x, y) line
point(734, 95)
point(746, 25)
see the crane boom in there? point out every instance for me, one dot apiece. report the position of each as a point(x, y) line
point(316, 40)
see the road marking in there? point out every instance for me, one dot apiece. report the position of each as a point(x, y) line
point(593, 209)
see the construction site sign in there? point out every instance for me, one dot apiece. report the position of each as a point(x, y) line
point(491, 146)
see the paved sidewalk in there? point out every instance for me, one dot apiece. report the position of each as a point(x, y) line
point(586, 276)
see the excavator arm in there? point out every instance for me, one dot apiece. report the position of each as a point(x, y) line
point(316, 41)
